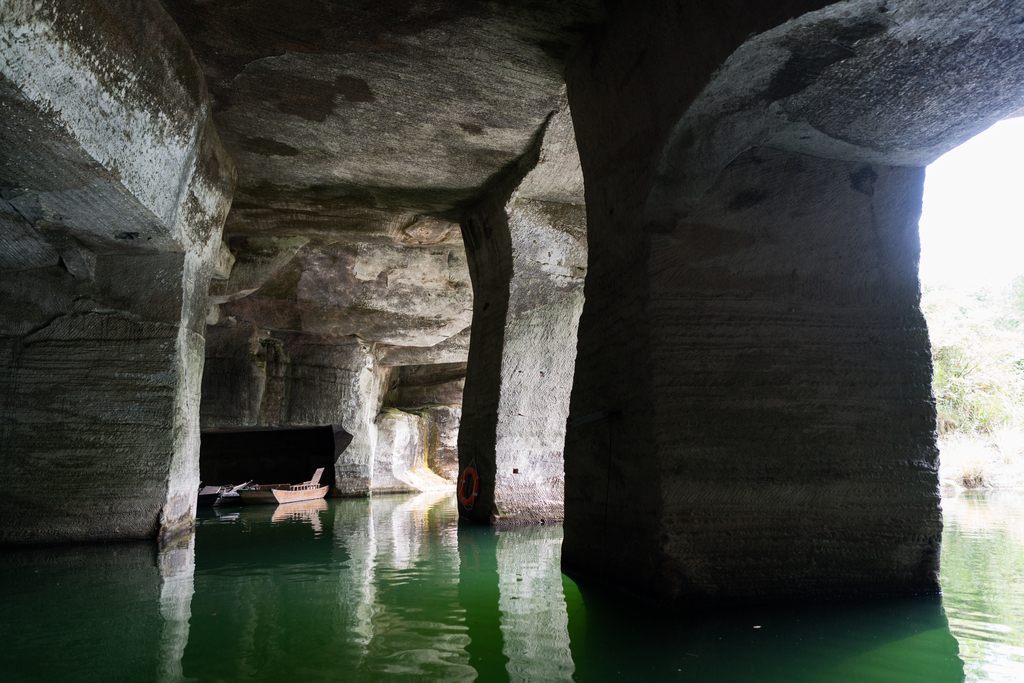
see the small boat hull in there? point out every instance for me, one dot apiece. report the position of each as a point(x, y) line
point(208, 496)
point(281, 494)
point(207, 500)
point(264, 495)
point(294, 496)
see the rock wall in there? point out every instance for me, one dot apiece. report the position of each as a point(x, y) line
point(307, 332)
point(751, 414)
point(253, 379)
point(112, 200)
point(386, 293)
point(403, 454)
point(418, 430)
point(799, 398)
point(443, 441)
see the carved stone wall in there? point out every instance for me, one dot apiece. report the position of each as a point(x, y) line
point(751, 414)
point(113, 195)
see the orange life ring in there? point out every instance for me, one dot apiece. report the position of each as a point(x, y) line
point(467, 498)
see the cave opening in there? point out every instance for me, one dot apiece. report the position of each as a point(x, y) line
point(972, 297)
point(271, 456)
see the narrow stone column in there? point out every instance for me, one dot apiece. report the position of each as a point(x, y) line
point(114, 192)
point(527, 252)
point(528, 262)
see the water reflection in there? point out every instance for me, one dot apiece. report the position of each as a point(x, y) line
point(408, 612)
point(392, 588)
point(95, 612)
point(177, 562)
point(983, 582)
point(303, 511)
point(534, 619)
point(898, 641)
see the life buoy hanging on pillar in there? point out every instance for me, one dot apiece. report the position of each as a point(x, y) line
point(469, 487)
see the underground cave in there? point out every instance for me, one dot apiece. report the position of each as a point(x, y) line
point(650, 271)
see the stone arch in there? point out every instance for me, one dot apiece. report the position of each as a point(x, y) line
point(751, 346)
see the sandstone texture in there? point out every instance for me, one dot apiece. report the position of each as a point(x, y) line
point(528, 256)
point(113, 195)
point(390, 294)
point(343, 236)
point(650, 268)
point(751, 414)
point(402, 464)
point(418, 429)
point(253, 379)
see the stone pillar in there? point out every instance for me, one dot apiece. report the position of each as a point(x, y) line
point(112, 199)
point(528, 260)
point(527, 251)
point(751, 415)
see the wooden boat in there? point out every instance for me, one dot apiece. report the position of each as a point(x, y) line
point(285, 493)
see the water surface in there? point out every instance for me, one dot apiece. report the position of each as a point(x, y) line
point(392, 589)
point(983, 582)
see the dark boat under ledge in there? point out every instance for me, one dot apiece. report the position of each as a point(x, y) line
point(219, 495)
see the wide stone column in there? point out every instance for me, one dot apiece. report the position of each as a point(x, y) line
point(751, 414)
point(114, 191)
point(784, 403)
point(528, 257)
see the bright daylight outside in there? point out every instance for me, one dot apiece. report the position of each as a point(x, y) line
point(972, 277)
point(972, 280)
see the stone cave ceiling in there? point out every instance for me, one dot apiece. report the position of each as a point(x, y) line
point(359, 129)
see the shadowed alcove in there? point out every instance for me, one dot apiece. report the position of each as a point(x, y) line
point(271, 456)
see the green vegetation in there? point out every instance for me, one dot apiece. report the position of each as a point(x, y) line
point(978, 381)
point(971, 474)
point(978, 356)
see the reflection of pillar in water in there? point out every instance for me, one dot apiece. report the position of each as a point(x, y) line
point(534, 620)
point(354, 537)
point(418, 625)
point(177, 563)
point(397, 586)
point(479, 595)
point(410, 528)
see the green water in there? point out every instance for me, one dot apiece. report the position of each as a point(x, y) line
point(391, 589)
